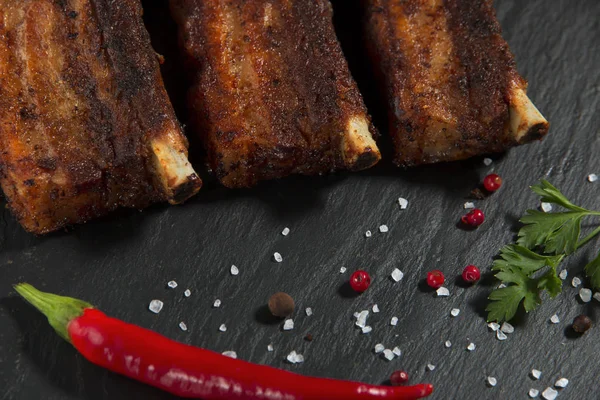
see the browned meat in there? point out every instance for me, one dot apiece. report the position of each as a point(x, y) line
point(272, 92)
point(449, 78)
point(85, 123)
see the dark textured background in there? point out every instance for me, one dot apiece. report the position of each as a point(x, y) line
point(122, 262)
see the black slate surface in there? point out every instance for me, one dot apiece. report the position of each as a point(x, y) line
point(122, 262)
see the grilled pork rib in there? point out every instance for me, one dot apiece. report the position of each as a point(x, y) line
point(272, 92)
point(449, 79)
point(85, 123)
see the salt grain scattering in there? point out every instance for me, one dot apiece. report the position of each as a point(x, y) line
point(234, 270)
point(172, 284)
point(383, 229)
point(288, 325)
point(533, 393)
point(585, 295)
point(379, 348)
point(546, 207)
point(454, 312)
point(501, 335)
point(367, 329)
point(554, 319)
point(430, 367)
point(536, 374)
point(492, 381)
point(507, 328)
point(403, 203)
point(592, 177)
point(342, 270)
point(361, 320)
point(295, 358)
point(217, 303)
point(494, 326)
point(270, 347)
point(469, 205)
point(223, 328)
point(230, 353)
point(397, 352)
point(308, 311)
point(471, 346)
point(597, 296)
point(561, 383)
point(394, 321)
point(155, 306)
point(368, 234)
point(277, 257)
point(563, 274)
point(285, 231)
point(487, 161)
point(443, 292)
point(375, 308)
point(187, 293)
point(397, 275)
point(576, 282)
point(388, 354)
point(183, 326)
point(549, 394)
point(448, 344)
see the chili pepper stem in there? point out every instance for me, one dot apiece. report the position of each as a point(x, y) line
point(59, 310)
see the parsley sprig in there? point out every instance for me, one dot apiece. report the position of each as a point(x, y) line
point(529, 267)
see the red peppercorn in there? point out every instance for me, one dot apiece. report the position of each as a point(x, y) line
point(360, 281)
point(474, 218)
point(471, 274)
point(398, 378)
point(492, 182)
point(435, 279)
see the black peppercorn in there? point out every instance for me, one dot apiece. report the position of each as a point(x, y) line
point(582, 323)
point(281, 305)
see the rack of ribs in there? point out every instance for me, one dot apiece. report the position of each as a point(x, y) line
point(272, 94)
point(85, 122)
point(449, 80)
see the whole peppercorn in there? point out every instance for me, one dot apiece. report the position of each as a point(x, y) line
point(360, 281)
point(281, 305)
point(582, 323)
point(492, 182)
point(435, 279)
point(471, 274)
point(399, 378)
point(474, 218)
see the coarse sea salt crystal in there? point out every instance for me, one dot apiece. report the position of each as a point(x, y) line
point(563, 274)
point(585, 295)
point(533, 393)
point(549, 394)
point(217, 303)
point(172, 284)
point(375, 308)
point(443, 292)
point(507, 328)
point(597, 296)
point(285, 231)
point(388, 354)
point(397, 275)
point(223, 328)
point(397, 352)
point(230, 353)
point(561, 383)
point(277, 257)
point(383, 229)
point(187, 293)
point(234, 270)
point(295, 358)
point(394, 321)
point(342, 270)
point(501, 335)
point(536, 374)
point(183, 326)
point(448, 344)
point(403, 203)
point(469, 205)
point(546, 207)
point(361, 320)
point(430, 367)
point(379, 347)
point(492, 381)
point(368, 234)
point(367, 329)
point(288, 325)
point(494, 326)
point(454, 312)
point(270, 347)
point(576, 282)
point(487, 161)
point(554, 319)
point(155, 306)
point(471, 346)
point(308, 311)
point(592, 177)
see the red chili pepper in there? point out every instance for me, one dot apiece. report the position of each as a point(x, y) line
point(185, 370)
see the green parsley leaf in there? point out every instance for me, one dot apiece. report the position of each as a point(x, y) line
point(515, 267)
point(556, 232)
point(550, 194)
point(592, 270)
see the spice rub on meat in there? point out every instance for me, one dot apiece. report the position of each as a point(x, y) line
point(85, 123)
point(449, 79)
point(272, 94)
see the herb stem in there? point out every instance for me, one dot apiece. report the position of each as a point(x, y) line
point(588, 238)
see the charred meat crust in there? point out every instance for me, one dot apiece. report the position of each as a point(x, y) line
point(81, 99)
point(447, 74)
point(272, 93)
